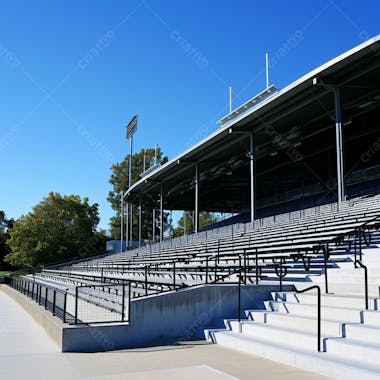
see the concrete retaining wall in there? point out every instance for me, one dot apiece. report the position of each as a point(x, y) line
point(156, 320)
point(168, 318)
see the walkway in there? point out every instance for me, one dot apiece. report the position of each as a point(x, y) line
point(26, 352)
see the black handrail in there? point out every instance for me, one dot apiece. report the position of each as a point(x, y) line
point(360, 264)
point(319, 310)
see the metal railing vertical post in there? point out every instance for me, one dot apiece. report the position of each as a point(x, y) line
point(76, 306)
point(146, 279)
point(129, 301)
point(174, 276)
point(46, 296)
point(325, 257)
point(318, 311)
point(239, 295)
point(54, 299)
point(207, 270)
point(123, 303)
point(64, 307)
point(357, 262)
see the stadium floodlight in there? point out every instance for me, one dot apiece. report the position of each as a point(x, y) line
point(131, 130)
point(132, 127)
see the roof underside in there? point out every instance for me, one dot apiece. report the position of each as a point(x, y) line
point(294, 142)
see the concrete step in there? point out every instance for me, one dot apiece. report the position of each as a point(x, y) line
point(311, 360)
point(296, 322)
point(292, 336)
point(365, 332)
point(327, 312)
point(326, 299)
point(371, 317)
point(353, 349)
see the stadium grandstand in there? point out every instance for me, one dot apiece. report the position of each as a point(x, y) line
point(294, 276)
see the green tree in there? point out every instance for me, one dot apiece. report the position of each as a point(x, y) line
point(5, 225)
point(58, 228)
point(205, 219)
point(120, 180)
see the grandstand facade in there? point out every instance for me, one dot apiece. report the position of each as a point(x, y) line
point(311, 143)
point(296, 278)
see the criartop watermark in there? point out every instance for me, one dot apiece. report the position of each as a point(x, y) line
point(191, 51)
point(99, 48)
point(8, 56)
point(99, 147)
point(9, 136)
point(372, 150)
point(283, 143)
point(292, 42)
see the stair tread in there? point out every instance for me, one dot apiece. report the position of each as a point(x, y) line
point(325, 356)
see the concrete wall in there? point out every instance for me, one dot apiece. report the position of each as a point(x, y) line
point(168, 318)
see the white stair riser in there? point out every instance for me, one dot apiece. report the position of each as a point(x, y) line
point(362, 333)
point(311, 310)
point(371, 317)
point(314, 362)
point(358, 302)
point(308, 342)
point(351, 351)
point(301, 324)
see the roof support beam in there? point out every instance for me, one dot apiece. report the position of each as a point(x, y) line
point(252, 166)
point(196, 208)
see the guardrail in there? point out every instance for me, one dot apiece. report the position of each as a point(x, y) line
point(318, 311)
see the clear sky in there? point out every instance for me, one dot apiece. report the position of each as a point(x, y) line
point(72, 73)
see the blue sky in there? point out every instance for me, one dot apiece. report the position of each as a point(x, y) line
point(72, 73)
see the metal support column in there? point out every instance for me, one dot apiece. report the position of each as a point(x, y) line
point(161, 212)
point(196, 208)
point(252, 166)
point(140, 221)
point(154, 225)
point(339, 145)
point(131, 227)
point(121, 221)
point(126, 225)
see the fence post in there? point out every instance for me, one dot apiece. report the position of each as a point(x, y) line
point(76, 306)
point(64, 307)
point(174, 274)
point(146, 280)
point(129, 301)
point(46, 297)
point(54, 298)
point(207, 270)
point(123, 303)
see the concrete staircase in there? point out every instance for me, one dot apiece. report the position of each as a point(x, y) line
point(286, 331)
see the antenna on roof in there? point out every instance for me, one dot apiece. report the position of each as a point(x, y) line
point(267, 69)
point(230, 92)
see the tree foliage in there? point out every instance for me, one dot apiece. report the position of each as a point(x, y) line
point(119, 181)
point(5, 225)
point(187, 221)
point(58, 228)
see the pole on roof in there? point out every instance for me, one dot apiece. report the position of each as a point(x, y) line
point(267, 69)
point(196, 209)
point(161, 212)
point(230, 97)
point(252, 166)
point(339, 145)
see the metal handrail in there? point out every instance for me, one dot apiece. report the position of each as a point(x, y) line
point(319, 310)
point(360, 264)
